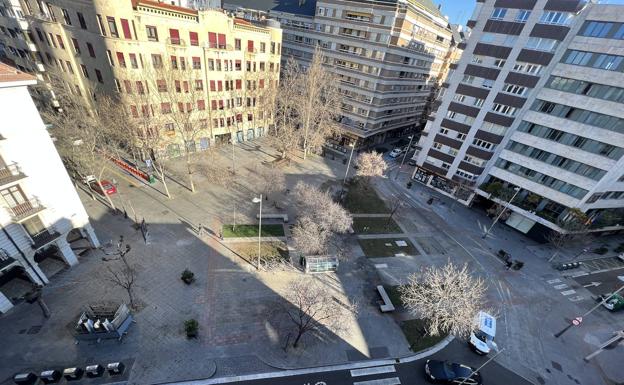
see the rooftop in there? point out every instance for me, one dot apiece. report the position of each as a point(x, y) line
point(10, 74)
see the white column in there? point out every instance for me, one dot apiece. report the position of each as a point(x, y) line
point(5, 304)
point(35, 273)
point(90, 234)
point(66, 252)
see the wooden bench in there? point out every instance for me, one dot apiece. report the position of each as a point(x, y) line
point(283, 217)
point(387, 305)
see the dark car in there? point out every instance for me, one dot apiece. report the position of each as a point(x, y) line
point(445, 372)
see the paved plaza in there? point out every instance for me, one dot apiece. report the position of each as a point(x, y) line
point(239, 330)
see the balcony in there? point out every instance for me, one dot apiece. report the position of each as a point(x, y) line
point(44, 237)
point(25, 209)
point(10, 173)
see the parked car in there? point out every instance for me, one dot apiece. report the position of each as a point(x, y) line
point(483, 337)
point(109, 188)
point(395, 153)
point(412, 162)
point(445, 372)
point(614, 302)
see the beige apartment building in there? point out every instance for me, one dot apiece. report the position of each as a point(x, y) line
point(390, 56)
point(168, 63)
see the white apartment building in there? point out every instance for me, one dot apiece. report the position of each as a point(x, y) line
point(535, 105)
point(41, 213)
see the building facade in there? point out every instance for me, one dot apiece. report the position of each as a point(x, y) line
point(41, 213)
point(534, 106)
point(389, 56)
point(168, 63)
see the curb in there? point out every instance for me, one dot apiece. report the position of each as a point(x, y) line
point(287, 372)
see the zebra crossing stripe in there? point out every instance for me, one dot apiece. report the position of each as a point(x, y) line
point(373, 370)
point(383, 381)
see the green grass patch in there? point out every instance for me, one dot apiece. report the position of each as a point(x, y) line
point(268, 251)
point(378, 247)
point(416, 335)
point(273, 230)
point(375, 226)
point(361, 198)
point(393, 293)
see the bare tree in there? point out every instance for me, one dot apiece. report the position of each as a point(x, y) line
point(449, 298)
point(310, 307)
point(284, 135)
point(574, 229)
point(123, 275)
point(272, 180)
point(321, 220)
point(370, 164)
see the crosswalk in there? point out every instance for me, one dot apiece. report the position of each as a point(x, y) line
point(565, 290)
point(376, 371)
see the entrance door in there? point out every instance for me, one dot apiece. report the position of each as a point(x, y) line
point(204, 143)
point(239, 136)
point(250, 134)
point(33, 226)
point(260, 131)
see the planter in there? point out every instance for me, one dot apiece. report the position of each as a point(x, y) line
point(191, 327)
point(188, 276)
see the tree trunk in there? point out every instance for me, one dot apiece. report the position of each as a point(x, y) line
point(190, 173)
point(161, 173)
point(131, 297)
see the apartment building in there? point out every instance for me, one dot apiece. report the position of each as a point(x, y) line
point(389, 56)
point(162, 59)
point(535, 105)
point(41, 213)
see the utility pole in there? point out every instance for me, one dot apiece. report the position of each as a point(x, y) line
point(619, 335)
point(501, 213)
point(344, 181)
point(409, 147)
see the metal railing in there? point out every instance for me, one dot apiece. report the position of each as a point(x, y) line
point(25, 209)
point(44, 237)
point(10, 173)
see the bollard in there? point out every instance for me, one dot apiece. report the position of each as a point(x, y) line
point(94, 370)
point(25, 378)
point(50, 376)
point(72, 374)
point(115, 368)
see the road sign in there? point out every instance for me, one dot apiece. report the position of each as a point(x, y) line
point(577, 321)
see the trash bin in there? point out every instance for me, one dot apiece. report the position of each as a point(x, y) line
point(152, 179)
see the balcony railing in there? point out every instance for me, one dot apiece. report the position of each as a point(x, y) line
point(10, 173)
point(26, 209)
point(44, 237)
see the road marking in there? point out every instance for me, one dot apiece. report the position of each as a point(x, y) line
point(370, 371)
point(551, 281)
point(568, 292)
point(562, 286)
point(381, 265)
point(383, 381)
point(576, 298)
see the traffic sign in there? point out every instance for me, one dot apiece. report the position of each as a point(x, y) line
point(577, 321)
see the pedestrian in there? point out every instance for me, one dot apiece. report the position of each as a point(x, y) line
point(509, 263)
point(220, 235)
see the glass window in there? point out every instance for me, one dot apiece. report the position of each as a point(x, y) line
point(596, 29)
point(499, 13)
point(522, 15)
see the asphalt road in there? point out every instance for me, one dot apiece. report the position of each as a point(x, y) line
point(599, 283)
point(401, 373)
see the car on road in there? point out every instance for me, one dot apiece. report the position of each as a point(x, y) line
point(109, 188)
point(614, 302)
point(482, 339)
point(396, 152)
point(445, 372)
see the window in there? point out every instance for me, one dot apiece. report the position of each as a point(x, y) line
point(76, 46)
point(101, 25)
point(468, 79)
point(121, 59)
point(117, 85)
point(133, 61)
point(112, 26)
point(237, 44)
point(487, 38)
point(125, 27)
point(250, 46)
point(201, 105)
point(499, 13)
point(174, 36)
point(152, 33)
point(98, 75)
point(66, 16)
point(542, 44)
point(499, 63)
point(161, 84)
point(460, 136)
point(553, 17)
point(514, 89)
point(174, 62)
point(199, 85)
point(85, 73)
point(262, 47)
point(504, 109)
point(60, 42)
point(81, 20)
point(91, 50)
point(459, 97)
point(196, 63)
point(523, 15)
point(193, 38)
point(69, 67)
point(165, 108)
point(487, 83)
point(483, 144)
point(157, 61)
point(478, 102)
point(477, 59)
point(109, 56)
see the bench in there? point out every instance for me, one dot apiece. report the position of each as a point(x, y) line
point(387, 305)
point(283, 217)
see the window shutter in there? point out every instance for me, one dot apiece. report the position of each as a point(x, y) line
point(126, 28)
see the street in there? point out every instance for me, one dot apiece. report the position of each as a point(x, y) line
point(384, 372)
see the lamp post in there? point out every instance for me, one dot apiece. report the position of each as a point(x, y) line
point(259, 200)
point(517, 189)
point(409, 147)
point(485, 363)
point(344, 181)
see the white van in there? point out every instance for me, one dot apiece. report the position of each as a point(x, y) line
point(482, 338)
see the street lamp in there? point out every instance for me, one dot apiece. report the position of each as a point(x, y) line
point(409, 146)
point(344, 181)
point(493, 346)
point(517, 190)
point(259, 200)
